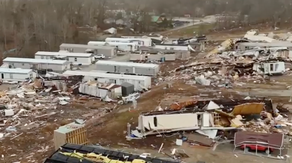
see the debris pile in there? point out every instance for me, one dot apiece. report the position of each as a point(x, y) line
point(96, 154)
point(27, 103)
point(203, 123)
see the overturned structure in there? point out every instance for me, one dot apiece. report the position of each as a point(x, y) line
point(70, 153)
point(209, 116)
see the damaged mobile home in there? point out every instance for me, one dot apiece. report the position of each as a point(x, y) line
point(9, 74)
point(69, 153)
point(202, 116)
point(140, 82)
point(269, 68)
point(146, 69)
point(95, 89)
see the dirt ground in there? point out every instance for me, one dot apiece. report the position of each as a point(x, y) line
point(35, 143)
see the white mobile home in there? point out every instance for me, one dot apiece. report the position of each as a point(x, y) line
point(269, 68)
point(153, 123)
point(18, 74)
point(146, 69)
point(37, 64)
point(74, 58)
point(253, 45)
point(107, 51)
point(139, 82)
point(160, 38)
point(119, 45)
point(172, 47)
point(139, 41)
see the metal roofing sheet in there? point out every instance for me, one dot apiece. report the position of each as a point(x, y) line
point(15, 70)
point(149, 65)
point(32, 60)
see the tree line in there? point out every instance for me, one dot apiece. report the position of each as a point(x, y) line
point(30, 25)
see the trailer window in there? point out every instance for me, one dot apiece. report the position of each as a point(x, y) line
point(271, 67)
point(155, 121)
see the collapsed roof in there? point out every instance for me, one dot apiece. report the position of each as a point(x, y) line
point(98, 153)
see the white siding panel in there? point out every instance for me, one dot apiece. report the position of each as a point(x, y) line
point(166, 122)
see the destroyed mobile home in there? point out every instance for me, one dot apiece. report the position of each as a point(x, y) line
point(70, 153)
point(209, 117)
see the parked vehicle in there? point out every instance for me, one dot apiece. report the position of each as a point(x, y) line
point(256, 147)
point(101, 56)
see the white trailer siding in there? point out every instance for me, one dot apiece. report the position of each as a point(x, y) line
point(139, 82)
point(74, 58)
point(128, 68)
point(8, 74)
point(171, 47)
point(150, 124)
point(108, 51)
point(152, 57)
point(118, 45)
point(270, 68)
point(38, 64)
point(156, 38)
point(139, 41)
point(96, 43)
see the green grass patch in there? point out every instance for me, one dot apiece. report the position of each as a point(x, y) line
point(198, 29)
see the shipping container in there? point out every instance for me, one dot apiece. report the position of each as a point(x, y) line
point(36, 64)
point(146, 69)
point(96, 50)
point(140, 82)
point(18, 74)
point(75, 133)
point(119, 45)
point(74, 58)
